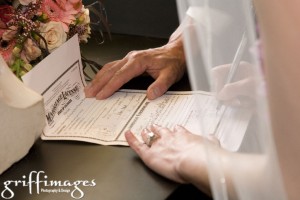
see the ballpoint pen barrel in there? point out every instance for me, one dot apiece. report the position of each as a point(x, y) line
point(235, 63)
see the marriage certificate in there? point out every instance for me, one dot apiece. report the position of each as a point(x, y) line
point(72, 116)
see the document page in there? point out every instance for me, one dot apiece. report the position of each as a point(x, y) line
point(71, 116)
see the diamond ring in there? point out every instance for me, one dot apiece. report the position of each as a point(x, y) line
point(150, 138)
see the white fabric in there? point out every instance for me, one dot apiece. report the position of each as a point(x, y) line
point(21, 119)
point(219, 25)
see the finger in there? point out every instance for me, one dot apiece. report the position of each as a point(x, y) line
point(144, 134)
point(149, 137)
point(229, 91)
point(213, 139)
point(108, 66)
point(102, 77)
point(245, 70)
point(163, 82)
point(181, 129)
point(220, 71)
point(219, 74)
point(135, 144)
point(162, 132)
point(130, 70)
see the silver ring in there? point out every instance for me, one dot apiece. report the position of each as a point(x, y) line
point(150, 138)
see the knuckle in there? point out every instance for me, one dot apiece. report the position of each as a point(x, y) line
point(132, 54)
point(136, 54)
point(119, 72)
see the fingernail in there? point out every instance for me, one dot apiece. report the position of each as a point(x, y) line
point(155, 126)
point(210, 136)
point(127, 132)
point(99, 95)
point(88, 90)
point(146, 130)
point(222, 96)
point(88, 94)
point(89, 85)
point(178, 127)
point(154, 93)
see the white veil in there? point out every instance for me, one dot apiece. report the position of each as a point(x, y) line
point(217, 32)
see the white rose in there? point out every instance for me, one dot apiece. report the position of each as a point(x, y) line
point(84, 37)
point(85, 15)
point(54, 34)
point(84, 20)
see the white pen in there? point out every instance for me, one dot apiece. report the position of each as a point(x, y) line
point(235, 63)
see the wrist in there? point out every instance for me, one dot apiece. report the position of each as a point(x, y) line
point(192, 167)
point(176, 48)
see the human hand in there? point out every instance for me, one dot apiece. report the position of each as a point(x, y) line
point(242, 90)
point(178, 155)
point(165, 64)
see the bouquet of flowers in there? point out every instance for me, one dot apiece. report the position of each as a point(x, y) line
point(32, 29)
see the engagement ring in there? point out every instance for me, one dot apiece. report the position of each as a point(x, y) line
point(150, 138)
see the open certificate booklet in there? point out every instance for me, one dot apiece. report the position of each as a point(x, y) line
point(71, 116)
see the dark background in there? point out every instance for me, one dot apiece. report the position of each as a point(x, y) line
point(151, 18)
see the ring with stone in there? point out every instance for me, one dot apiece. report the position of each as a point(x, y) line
point(150, 138)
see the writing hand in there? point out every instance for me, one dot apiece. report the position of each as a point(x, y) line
point(242, 90)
